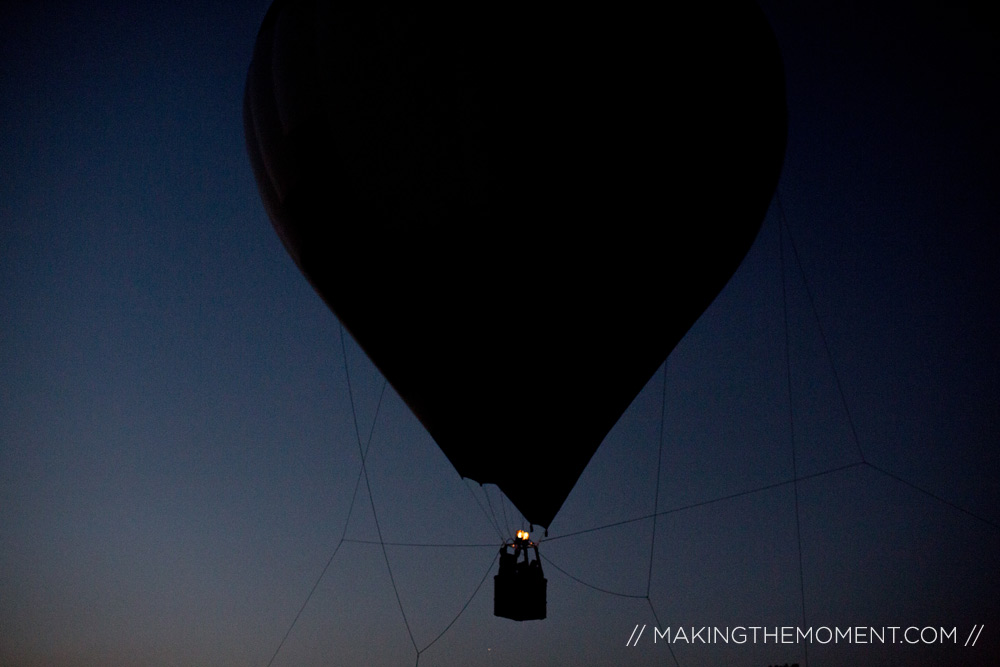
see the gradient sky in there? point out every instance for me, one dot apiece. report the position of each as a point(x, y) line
point(177, 450)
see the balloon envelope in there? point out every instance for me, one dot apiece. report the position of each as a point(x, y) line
point(516, 215)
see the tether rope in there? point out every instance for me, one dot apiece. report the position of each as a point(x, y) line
point(350, 509)
point(381, 541)
point(791, 430)
point(371, 497)
point(464, 607)
point(703, 503)
point(494, 519)
point(479, 545)
point(490, 516)
point(639, 596)
point(783, 225)
point(659, 472)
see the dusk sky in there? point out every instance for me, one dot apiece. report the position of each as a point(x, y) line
point(178, 449)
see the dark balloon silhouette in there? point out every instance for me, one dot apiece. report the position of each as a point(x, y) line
point(517, 214)
point(519, 587)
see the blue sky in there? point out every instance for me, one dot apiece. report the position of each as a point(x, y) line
point(178, 454)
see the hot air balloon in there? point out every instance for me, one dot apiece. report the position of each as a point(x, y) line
point(517, 214)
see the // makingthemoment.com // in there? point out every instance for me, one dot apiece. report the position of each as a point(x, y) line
point(755, 634)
